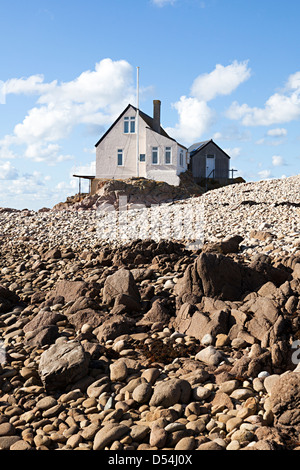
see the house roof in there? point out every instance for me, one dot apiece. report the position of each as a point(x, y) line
point(195, 148)
point(148, 120)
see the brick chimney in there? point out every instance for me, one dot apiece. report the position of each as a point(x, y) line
point(156, 115)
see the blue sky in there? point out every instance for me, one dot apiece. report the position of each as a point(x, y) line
point(223, 69)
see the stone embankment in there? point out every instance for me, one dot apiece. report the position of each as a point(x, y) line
point(148, 344)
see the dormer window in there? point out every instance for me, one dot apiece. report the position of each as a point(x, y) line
point(129, 125)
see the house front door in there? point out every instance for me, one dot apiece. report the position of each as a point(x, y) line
point(210, 166)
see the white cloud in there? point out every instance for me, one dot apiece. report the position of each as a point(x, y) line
point(94, 97)
point(277, 160)
point(232, 132)
point(221, 81)
point(280, 108)
point(264, 174)
point(195, 116)
point(29, 86)
point(293, 82)
point(8, 172)
point(162, 3)
point(233, 152)
point(277, 132)
point(49, 153)
point(88, 169)
point(2, 93)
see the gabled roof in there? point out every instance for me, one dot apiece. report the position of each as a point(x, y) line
point(148, 120)
point(195, 148)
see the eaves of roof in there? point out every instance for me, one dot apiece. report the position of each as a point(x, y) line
point(148, 120)
point(201, 147)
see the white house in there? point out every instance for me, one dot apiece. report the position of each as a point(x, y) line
point(156, 156)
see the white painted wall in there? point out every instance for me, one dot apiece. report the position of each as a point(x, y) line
point(107, 151)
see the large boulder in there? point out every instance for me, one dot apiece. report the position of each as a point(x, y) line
point(42, 329)
point(211, 275)
point(261, 264)
point(285, 402)
point(63, 364)
point(121, 282)
point(193, 322)
point(226, 246)
point(42, 320)
point(158, 312)
point(220, 277)
point(86, 316)
point(43, 336)
point(69, 290)
point(264, 314)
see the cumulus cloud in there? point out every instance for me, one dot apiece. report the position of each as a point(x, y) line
point(29, 86)
point(87, 169)
point(234, 152)
point(195, 116)
point(194, 119)
point(8, 171)
point(277, 160)
point(265, 174)
point(95, 97)
point(221, 81)
point(277, 132)
point(281, 107)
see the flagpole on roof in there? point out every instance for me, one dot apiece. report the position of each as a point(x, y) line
point(137, 122)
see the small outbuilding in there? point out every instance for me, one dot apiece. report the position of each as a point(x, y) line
point(208, 161)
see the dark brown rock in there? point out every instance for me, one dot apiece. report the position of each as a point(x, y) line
point(121, 282)
point(82, 303)
point(42, 320)
point(69, 290)
point(226, 246)
point(86, 316)
point(63, 364)
point(198, 324)
point(265, 313)
point(285, 402)
point(53, 253)
point(158, 312)
point(115, 326)
point(42, 336)
point(8, 299)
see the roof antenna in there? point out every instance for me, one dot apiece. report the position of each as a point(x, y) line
point(137, 123)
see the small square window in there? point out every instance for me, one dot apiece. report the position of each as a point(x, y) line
point(142, 157)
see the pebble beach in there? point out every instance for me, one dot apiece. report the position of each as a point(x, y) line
point(122, 344)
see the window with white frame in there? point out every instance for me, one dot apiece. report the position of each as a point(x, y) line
point(129, 125)
point(181, 158)
point(154, 155)
point(168, 155)
point(120, 157)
